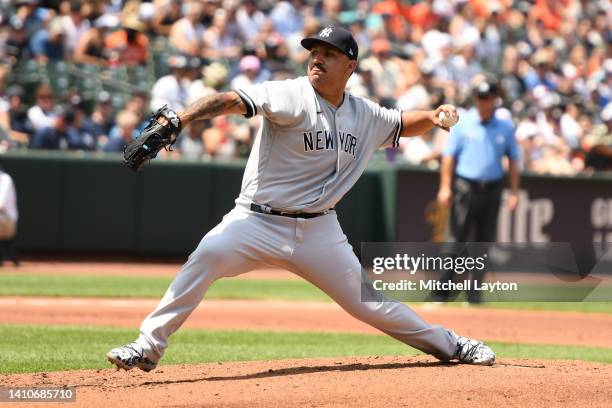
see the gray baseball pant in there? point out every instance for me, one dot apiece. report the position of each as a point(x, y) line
point(315, 249)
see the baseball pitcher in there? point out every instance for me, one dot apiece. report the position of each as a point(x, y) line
point(314, 142)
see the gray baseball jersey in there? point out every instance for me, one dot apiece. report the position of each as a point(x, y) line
point(308, 153)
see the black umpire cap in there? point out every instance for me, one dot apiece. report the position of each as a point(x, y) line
point(339, 37)
point(486, 88)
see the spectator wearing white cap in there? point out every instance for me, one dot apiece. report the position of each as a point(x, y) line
point(48, 44)
point(172, 89)
point(90, 48)
point(16, 40)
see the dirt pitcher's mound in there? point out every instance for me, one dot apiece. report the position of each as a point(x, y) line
point(364, 382)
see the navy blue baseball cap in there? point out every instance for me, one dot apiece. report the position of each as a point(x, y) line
point(338, 37)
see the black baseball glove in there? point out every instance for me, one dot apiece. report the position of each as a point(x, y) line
point(152, 139)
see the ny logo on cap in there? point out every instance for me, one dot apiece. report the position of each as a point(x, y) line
point(325, 32)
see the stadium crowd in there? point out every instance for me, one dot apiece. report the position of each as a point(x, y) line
point(85, 75)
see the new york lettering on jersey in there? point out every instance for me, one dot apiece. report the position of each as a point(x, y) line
point(324, 140)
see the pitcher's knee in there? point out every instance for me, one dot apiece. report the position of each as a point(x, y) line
point(210, 254)
point(373, 313)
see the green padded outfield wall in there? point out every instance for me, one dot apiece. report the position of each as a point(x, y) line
point(91, 203)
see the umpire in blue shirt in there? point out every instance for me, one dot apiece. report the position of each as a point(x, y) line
point(472, 172)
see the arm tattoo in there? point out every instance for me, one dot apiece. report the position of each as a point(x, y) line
point(211, 106)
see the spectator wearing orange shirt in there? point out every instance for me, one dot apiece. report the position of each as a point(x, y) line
point(128, 45)
point(550, 12)
point(397, 15)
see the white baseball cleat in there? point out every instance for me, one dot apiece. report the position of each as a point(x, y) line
point(130, 356)
point(471, 351)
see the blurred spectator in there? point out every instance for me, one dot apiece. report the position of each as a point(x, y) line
point(172, 89)
point(146, 14)
point(395, 18)
point(90, 48)
point(531, 144)
point(128, 45)
point(250, 67)
point(61, 135)
point(298, 54)
point(423, 150)
point(554, 160)
point(187, 34)
point(387, 72)
point(190, 143)
point(271, 48)
point(167, 12)
point(570, 129)
point(220, 141)
point(124, 132)
point(419, 95)
point(552, 58)
point(43, 114)
point(549, 120)
point(20, 128)
point(438, 46)
point(139, 105)
point(213, 79)
point(48, 44)
point(27, 13)
point(17, 40)
point(598, 144)
point(549, 13)
point(209, 7)
point(8, 207)
point(330, 12)
point(249, 21)
point(465, 65)
point(221, 38)
point(74, 24)
point(84, 126)
point(541, 74)
point(287, 17)
point(510, 80)
point(103, 115)
point(421, 17)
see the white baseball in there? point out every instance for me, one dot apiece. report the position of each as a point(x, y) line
point(448, 120)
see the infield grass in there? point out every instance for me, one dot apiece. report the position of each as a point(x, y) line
point(14, 284)
point(25, 348)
